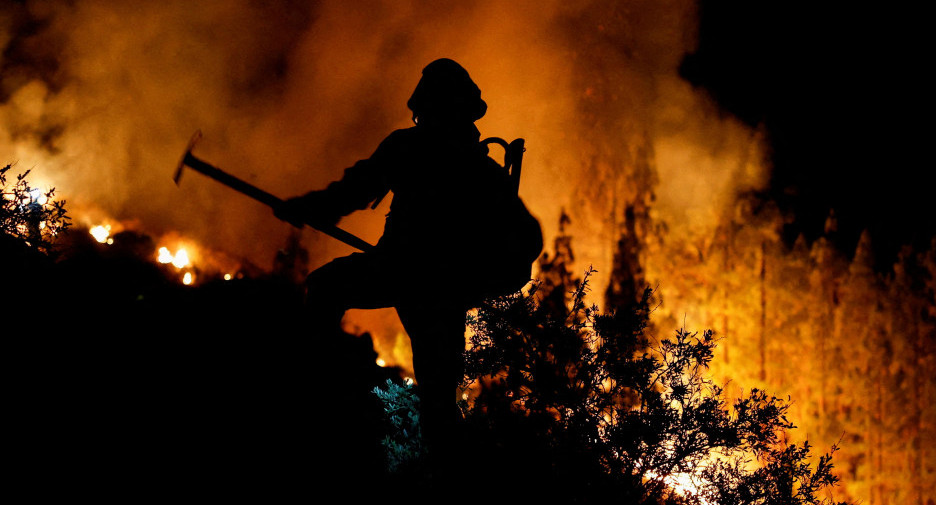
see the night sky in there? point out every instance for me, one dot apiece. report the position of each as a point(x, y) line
point(842, 96)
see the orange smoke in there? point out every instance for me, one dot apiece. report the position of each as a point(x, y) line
point(101, 99)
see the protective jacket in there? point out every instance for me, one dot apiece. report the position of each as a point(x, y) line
point(453, 207)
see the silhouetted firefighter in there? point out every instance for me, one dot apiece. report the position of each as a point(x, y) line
point(456, 233)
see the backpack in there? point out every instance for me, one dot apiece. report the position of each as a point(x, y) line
point(514, 232)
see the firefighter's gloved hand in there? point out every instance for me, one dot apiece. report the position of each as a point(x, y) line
point(310, 208)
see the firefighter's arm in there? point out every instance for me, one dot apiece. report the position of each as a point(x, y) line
point(354, 191)
point(361, 184)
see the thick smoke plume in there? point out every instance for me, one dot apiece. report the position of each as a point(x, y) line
point(101, 97)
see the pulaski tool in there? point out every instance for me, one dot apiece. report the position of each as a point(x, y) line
point(189, 160)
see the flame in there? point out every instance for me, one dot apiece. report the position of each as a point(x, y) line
point(164, 256)
point(179, 260)
point(188, 279)
point(101, 233)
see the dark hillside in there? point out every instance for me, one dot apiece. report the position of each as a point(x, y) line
point(124, 383)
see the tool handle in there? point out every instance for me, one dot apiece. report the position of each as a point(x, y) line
point(339, 234)
point(231, 181)
point(270, 200)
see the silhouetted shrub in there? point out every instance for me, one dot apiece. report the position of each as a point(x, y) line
point(564, 402)
point(29, 214)
point(404, 443)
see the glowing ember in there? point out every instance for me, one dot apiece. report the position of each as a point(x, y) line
point(188, 279)
point(101, 234)
point(228, 277)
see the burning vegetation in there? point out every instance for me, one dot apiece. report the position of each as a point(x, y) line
point(171, 312)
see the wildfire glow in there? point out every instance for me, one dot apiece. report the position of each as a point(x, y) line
point(101, 233)
point(36, 196)
point(179, 260)
point(683, 485)
point(616, 136)
point(164, 256)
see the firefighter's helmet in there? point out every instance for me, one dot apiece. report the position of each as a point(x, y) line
point(446, 90)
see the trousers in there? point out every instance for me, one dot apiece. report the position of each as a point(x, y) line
point(434, 321)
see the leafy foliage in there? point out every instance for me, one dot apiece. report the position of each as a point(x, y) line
point(403, 444)
point(28, 214)
point(603, 411)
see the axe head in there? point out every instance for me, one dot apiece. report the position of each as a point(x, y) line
point(188, 151)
